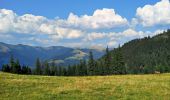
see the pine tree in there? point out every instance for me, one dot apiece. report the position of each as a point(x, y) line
point(38, 67)
point(55, 68)
point(69, 70)
point(46, 69)
point(119, 65)
point(60, 73)
point(108, 62)
point(91, 64)
point(17, 67)
point(81, 68)
point(101, 67)
point(12, 64)
point(6, 68)
point(25, 70)
point(84, 67)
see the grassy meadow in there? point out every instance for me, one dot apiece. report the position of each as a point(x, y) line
point(123, 87)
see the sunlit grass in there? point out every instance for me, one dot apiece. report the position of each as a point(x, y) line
point(149, 87)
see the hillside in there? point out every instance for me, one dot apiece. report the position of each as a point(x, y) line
point(147, 53)
point(146, 87)
point(27, 55)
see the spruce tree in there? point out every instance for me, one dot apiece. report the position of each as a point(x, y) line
point(108, 62)
point(91, 64)
point(119, 64)
point(12, 64)
point(38, 67)
point(46, 69)
point(6, 68)
point(17, 67)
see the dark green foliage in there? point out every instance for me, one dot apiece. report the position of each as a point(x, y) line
point(15, 67)
point(91, 64)
point(147, 53)
point(47, 70)
point(12, 64)
point(25, 70)
point(139, 56)
point(6, 68)
point(118, 62)
point(38, 67)
point(107, 60)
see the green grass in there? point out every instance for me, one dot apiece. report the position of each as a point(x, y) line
point(124, 87)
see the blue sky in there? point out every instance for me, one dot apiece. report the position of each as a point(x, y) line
point(87, 23)
point(62, 8)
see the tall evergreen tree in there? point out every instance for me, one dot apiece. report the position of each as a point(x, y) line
point(17, 67)
point(6, 68)
point(119, 64)
point(108, 61)
point(91, 64)
point(46, 69)
point(25, 70)
point(38, 67)
point(12, 64)
point(55, 70)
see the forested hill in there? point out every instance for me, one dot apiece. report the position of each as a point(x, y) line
point(147, 53)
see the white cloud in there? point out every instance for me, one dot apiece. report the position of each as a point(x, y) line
point(28, 23)
point(6, 20)
point(133, 23)
point(11, 22)
point(158, 14)
point(48, 28)
point(94, 35)
point(101, 19)
point(69, 33)
point(31, 24)
point(114, 35)
point(112, 43)
point(85, 29)
point(132, 33)
point(116, 38)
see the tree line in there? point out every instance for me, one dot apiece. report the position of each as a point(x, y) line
point(107, 65)
point(139, 56)
point(84, 68)
point(15, 67)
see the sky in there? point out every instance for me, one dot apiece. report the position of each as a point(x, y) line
point(83, 23)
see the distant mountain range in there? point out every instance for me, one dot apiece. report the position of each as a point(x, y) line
point(60, 55)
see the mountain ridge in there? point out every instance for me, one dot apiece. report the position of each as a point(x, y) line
point(28, 54)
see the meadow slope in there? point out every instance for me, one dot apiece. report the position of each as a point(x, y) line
point(132, 87)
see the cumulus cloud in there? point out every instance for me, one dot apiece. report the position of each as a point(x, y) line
point(112, 43)
point(69, 33)
point(113, 39)
point(85, 29)
point(31, 24)
point(6, 20)
point(158, 14)
point(11, 22)
point(101, 19)
point(28, 23)
point(94, 35)
point(128, 33)
point(132, 33)
point(70, 28)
